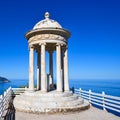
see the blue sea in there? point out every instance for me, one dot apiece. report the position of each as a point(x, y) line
point(110, 87)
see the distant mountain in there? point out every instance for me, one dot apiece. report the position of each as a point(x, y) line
point(2, 79)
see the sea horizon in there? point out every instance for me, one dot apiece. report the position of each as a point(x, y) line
point(110, 87)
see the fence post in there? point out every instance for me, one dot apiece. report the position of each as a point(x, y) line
point(90, 97)
point(4, 93)
point(1, 96)
point(80, 93)
point(25, 88)
point(7, 90)
point(103, 98)
point(73, 90)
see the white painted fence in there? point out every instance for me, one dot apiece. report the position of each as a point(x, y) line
point(5, 100)
point(18, 91)
point(102, 100)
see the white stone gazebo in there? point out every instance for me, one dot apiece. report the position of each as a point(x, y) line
point(48, 35)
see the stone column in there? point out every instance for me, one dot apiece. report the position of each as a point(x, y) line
point(31, 69)
point(43, 68)
point(38, 70)
point(66, 80)
point(58, 68)
point(51, 66)
point(62, 68)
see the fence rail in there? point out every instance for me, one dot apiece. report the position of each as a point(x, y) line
point(18, 91)
point(102, 100)
point(5, 100)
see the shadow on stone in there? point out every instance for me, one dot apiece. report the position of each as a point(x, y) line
point(10, 112)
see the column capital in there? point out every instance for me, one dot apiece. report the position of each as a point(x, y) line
point(31, 46)
point(42, 43)
point(65, 48)
point(57, 44)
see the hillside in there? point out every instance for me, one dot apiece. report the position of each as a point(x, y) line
point(2, 79)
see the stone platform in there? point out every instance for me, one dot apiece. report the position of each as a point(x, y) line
point(91, 114)
point(49, 102)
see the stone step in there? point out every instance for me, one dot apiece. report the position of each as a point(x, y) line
point(52, 101)
point(49, 99)
point(62, 103)
point(48, 103)
point(75, 102)
point(49, 94)
point(52, 109)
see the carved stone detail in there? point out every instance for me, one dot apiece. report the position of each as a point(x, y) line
point(46, 36)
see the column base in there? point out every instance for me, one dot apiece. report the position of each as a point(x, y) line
point(59, 91)
point(43, 91)
point(66, 90)
point(30, 91)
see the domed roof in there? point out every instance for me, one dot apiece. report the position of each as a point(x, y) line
point(47, 23)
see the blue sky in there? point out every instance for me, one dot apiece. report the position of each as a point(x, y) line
point(94, 46)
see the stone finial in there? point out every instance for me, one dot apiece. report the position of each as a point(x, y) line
point(47, 15)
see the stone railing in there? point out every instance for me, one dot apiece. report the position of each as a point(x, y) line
point(107, 102)
point(5, 100)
